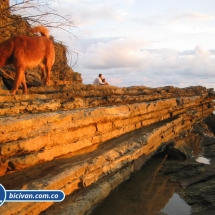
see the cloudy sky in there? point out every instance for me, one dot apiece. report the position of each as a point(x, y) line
point(140, 42)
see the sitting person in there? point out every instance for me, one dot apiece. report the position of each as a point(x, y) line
point(105, 82)
point(98, 80)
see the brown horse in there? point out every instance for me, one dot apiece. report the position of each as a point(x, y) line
point(28, 52)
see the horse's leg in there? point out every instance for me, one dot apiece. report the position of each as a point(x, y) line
point(18, 79)
point(50, 58)
point(24, 86)
point(42, 66)
point(48, 74)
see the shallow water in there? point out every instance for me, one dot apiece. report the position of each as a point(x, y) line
point(145, 193)
point(204, 160)
point(176, 206)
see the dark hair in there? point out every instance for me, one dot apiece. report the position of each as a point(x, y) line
point(103, 80)
point(100, 75)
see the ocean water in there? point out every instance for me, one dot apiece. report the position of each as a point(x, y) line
point(176, 206)
point(204, 160)
point(146, 192)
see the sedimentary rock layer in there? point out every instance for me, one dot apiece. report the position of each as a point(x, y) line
point(70, 137)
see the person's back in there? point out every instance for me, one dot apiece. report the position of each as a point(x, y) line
point(98, 80)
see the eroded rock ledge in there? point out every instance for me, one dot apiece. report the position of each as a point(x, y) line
point(78, 136)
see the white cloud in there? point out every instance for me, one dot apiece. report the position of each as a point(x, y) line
point(191, 16)
point(87, 14)
point(119, 53)
point(124, 63)
point(202, 52)
point(97, 13)
point(164, 47)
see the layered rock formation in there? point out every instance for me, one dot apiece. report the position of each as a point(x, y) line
point(86, 140)
point(196, 172)
point(190, 165)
